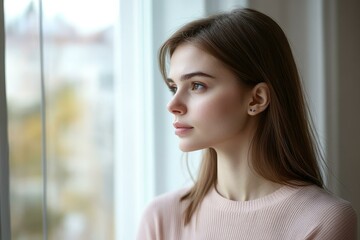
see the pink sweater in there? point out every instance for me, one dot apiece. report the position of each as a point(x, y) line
point(288, 213)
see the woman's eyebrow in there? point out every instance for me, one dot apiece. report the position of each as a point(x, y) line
point(191, 75)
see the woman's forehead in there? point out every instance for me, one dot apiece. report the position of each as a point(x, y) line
point(188, 58)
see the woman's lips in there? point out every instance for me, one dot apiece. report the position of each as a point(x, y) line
point(182, 129)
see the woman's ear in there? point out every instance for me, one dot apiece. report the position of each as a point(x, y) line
point(260, 99)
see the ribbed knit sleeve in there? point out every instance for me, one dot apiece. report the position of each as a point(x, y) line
point(339, 222)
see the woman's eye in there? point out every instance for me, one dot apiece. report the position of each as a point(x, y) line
point(173, 89)
point(197, 86)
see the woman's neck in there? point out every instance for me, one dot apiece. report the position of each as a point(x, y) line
point(236, 180)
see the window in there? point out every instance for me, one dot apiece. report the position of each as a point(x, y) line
point(78, 68)
point(90, 136)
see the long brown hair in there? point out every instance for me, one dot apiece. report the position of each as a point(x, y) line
point(256, 49)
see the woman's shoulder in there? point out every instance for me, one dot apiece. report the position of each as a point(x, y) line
point(331, 216)
point(162, 217)
point(315, 199)
point(319, 197)
point(165, 207)
point(167, 201)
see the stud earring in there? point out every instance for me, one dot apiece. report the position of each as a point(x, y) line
point(252, 110)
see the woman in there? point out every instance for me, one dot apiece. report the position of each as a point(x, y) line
point(238, 96)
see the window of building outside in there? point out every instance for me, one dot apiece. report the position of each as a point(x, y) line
point(78, 72)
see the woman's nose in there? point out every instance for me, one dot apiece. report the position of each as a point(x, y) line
point(176, 106)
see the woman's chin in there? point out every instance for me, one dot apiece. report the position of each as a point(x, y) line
point(189, 148)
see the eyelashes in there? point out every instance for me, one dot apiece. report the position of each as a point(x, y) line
point(195, 86)
point(173, 89)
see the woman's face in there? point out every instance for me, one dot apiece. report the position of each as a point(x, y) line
point(210, 105)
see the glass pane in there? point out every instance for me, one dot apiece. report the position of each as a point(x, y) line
point(23, 96)
point(78, 70)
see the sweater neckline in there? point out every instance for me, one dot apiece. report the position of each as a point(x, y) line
point(218, 201)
